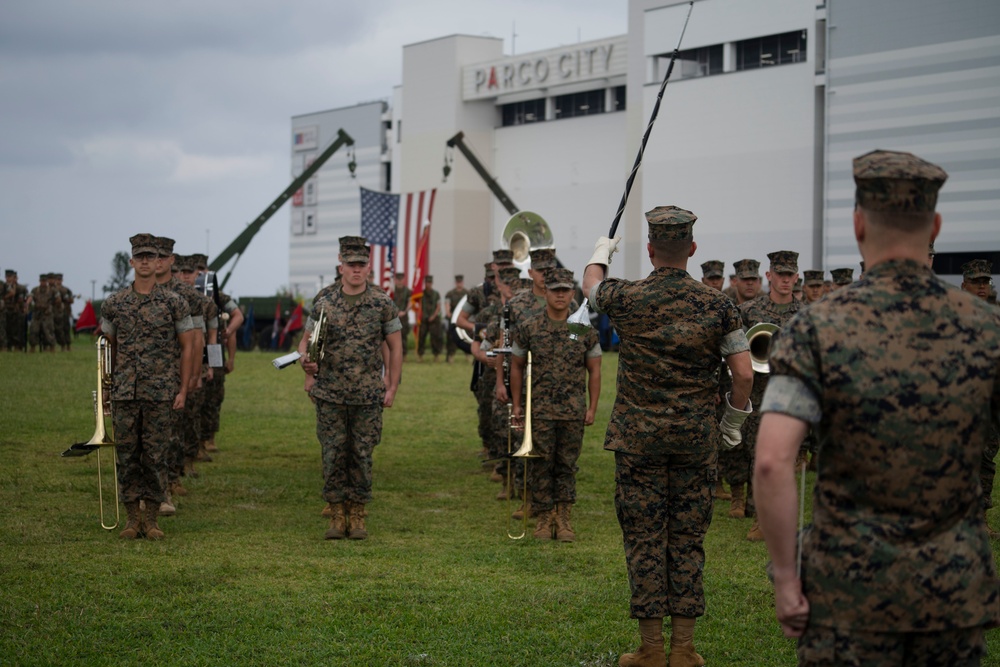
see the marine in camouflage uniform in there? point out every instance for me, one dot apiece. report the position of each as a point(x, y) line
point(15, 296)
point(215, 386)
point(206, 319)
point(663, 431)
point(900, 373)
point(451, 300)
point(492, 388)
point(563, 370)
point(150, 329)
point(401, 297)
point(349, 389)
point(977, 278)
point(42, 301)
point(713, 275)
point(812, 286)
point(775, 307)
point(430, 320)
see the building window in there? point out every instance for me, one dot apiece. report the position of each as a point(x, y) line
point(579, 104)
point(783, 49)
point(520, 113)
point(619, 98)
point(703, 61)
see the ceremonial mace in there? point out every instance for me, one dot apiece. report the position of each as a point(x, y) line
point(579, 321)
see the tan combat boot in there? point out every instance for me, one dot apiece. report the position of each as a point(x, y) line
point(149, 525)
point(682, 653)
point(720, 491)
point(338, 522)
point(738, 509)
point(545, 525)
point(178, 489)
point(356, 521)
point(167, 507)
point(132, 524)
point(650, 652)
point(564, 531)
point(755, 535)
point(210, 445)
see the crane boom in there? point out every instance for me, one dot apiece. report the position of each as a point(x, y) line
point(459, 141)
point(240, 243)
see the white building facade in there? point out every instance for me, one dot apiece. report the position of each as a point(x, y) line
point(766, 106)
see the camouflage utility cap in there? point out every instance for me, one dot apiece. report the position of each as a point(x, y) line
point(509, 275)
point(503, 256)
point(784, 261)
point(747, 268)
point(813, 278)
point(200, 261)
point(143, 243)
point(43, 277)
point(897, 182)
point(977, 268)
point(842, 276)
point(490, 273)
point(559, 278)
point(459, 278)
point(400, 275)
point(164, 246)
point(669, 223)
point(428, 279)
point(57, 276)
point(543, 258)
point(184, 263)
point(10, 273)
point(354, 249)
point(713, 268)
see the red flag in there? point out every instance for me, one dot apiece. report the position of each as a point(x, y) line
point(293, 325)
point(87, 320)
point(419, 271)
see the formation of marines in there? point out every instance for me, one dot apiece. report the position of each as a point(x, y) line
point(36, 319)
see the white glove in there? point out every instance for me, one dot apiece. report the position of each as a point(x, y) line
point(732, 420)
point(603, 250)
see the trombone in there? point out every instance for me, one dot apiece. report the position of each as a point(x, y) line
point(526, 452)
point(104, 431)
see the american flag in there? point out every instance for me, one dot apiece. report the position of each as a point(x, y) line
point(393, 223)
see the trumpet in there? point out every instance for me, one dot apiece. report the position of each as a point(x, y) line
point(104, 432)
point(317, 338)
point(526, 452)
point(759, 336)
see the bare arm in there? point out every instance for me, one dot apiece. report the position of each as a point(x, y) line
point(516, 381)
point(465, 322)
point(395, 366)
point(593, 388)
point(592, 275)
point(742, 370)
point(187, 341)
point(778, 442)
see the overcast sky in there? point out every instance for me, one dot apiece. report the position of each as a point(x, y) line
point(174, 117)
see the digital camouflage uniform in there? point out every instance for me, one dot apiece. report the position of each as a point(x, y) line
point(899, 372)
point(558, 405)
point(480, 297)
point(15, 296)
point(430, 306)
point(43, 300)
point(401, 298)
point(755, 311)
point(146, 379)
point(663, 430)
point(349, 388)
point(59, 311)
point(453, 297)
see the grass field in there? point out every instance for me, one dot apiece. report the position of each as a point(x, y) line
point(245, 577)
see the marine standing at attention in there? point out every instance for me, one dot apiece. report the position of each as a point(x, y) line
point(901, 373)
